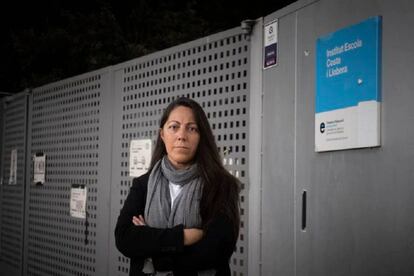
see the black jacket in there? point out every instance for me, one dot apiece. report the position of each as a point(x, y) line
point(166, 246)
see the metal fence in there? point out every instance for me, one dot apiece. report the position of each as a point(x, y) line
point(84, 125)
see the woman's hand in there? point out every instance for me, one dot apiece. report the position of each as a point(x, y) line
point(192, 235)
point(138, 221)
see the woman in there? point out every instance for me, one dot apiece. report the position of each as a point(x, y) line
point(182, 217)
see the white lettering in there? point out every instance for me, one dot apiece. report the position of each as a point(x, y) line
point(335, 51)
point(333, 72)
point(353, 45)
point(333, 62)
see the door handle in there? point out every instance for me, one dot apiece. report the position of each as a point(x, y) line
point(304, 210)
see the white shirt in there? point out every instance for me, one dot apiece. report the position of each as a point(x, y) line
point(175, 190)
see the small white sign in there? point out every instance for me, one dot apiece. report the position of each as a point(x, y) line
point(270, 31)
point(78, 201)
point(13, 167)
point(39, 165)
point(139, 157)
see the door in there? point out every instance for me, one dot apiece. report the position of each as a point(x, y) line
point(358, 202)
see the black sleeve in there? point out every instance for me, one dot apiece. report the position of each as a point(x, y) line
point(213, 251)
point(144, 241)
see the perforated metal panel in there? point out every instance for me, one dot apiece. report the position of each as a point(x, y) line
point(213, 71)
point(1, 143)
point(1, 162)
point(71, 122)
point(68, 126)
point(12, 196)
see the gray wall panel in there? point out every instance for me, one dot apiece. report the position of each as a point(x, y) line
point(1, 159)
point(215, 72)
point(355, 226)
point(278, 155)
point(1, 140)
point(118, 264)
point(359, 203)
point(255, 149)
point(12, 196)
point(103, 191)
point(71, 124)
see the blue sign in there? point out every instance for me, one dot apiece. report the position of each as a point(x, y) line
point(348, 82)
point(270, 55)
point(348, 66)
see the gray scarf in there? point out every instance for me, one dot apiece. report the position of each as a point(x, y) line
point(186, 207)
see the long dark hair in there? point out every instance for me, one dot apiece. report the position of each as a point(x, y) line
point(220, 189)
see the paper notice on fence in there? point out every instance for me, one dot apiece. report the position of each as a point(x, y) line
point(78, 201)
point(39, 164)
point(139, 157)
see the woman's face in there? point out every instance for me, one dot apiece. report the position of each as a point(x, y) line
point(181, 137)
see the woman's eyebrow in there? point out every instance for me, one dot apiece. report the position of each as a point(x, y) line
point(174, 121)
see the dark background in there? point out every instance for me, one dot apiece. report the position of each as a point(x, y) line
point(45, 41)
